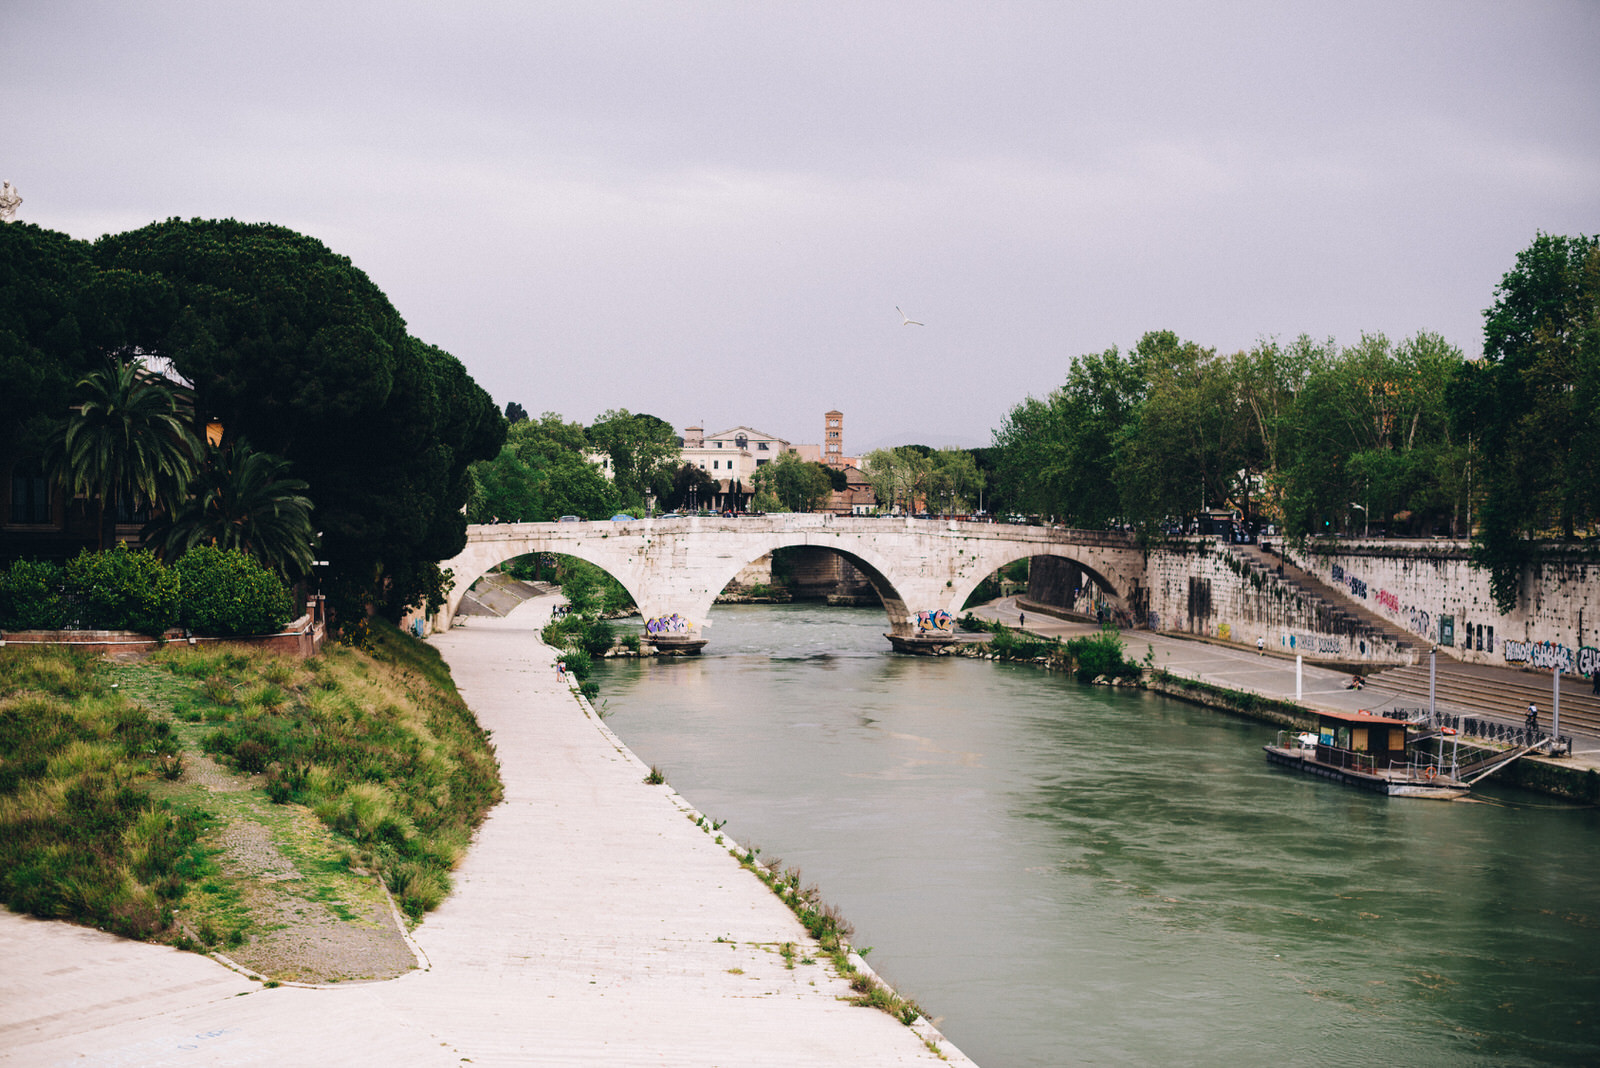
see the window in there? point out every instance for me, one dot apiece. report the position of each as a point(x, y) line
point(760, 462)
point(741, 441)
point(30, 499)
point(762, 445)
point(715, 465)
point(719, 444)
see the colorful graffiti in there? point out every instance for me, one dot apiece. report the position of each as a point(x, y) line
point(1388, 600)
point(1552, 655)
point(673, 624)
point(936, 622)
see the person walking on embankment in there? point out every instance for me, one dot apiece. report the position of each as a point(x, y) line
point(1531, 721)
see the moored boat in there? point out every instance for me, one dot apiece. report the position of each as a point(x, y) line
point(1370, 752)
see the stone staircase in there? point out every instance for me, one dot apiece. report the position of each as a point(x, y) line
point(1356, 617)
point(1495, 693)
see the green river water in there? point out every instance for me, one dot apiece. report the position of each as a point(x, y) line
point(1062, 874)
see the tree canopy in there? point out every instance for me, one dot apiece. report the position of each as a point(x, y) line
point(644, 454)
point(286, 344)
point(1530, 406)
point(542, 472)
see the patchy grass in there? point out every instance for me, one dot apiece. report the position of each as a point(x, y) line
point(165, 799)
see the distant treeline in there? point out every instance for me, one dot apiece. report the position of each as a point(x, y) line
point(1404, 438)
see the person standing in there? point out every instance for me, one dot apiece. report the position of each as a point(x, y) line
point(1261, 647)
point(561, 670)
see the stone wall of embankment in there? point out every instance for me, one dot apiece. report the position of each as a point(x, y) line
point(1429, 588)
point(1201, 587)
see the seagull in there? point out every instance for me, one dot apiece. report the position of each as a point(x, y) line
point(905, 321)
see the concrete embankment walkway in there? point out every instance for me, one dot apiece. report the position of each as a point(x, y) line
point(592, 924)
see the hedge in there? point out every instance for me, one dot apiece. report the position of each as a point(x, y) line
point(211, 591)
point(227, 592)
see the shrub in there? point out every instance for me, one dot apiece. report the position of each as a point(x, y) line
point(227, 592)
point(124, 589)
point(579, 663)
point(598, 637)
point(30, 597)
point(1101, 655)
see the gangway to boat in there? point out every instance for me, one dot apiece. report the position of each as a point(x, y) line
point(1482, 769)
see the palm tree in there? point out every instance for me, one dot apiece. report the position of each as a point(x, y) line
point(126, 443)
point(243, 500)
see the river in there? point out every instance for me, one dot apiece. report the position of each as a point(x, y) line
point(1062, 874)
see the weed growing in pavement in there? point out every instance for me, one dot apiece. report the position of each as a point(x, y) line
point(832, 933)
point(656, 776)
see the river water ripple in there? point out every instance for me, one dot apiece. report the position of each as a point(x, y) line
point(1072, 875)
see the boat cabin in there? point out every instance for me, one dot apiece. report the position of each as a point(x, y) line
point(1360, 740)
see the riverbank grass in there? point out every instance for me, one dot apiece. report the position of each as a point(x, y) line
point(221, 797)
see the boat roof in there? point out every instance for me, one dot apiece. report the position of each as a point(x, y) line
point(1363, 718)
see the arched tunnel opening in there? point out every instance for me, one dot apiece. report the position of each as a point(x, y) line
point(1058, 586)
point(520, 578)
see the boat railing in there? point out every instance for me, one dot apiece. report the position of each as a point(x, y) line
point(1418, 771)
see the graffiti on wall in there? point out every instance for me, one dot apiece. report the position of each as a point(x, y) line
point(1388, 600)
point(673, 624)
point(1311, 644)
point(936, 622)
point(1356, 586)
point(1552, 655)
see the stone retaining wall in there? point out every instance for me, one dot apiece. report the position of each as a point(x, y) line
point(1430, 589)
point(1200, 587)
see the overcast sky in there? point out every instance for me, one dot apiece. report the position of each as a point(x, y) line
point(709, 211)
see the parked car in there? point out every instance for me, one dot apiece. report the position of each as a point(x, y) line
point(569, 519)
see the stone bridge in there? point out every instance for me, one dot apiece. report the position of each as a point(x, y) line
point(675, 567)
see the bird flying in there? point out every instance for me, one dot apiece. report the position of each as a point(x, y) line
point(906, 320)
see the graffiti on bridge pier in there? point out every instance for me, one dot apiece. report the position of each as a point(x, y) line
point(673, 624)
point(935, 622)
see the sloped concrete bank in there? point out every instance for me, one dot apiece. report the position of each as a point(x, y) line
point(593, 922)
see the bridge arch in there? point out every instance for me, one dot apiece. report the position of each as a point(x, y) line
point(964, 589)
point(866, 560)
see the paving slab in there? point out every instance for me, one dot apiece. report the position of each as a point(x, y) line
point(592, 923)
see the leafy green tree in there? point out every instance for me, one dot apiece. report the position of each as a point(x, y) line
point(899, 476)
point(1187, 446)
point(1372, 443)
point(690, 484)
point(49, 332)
point(644, 454)
point(797, 485)
point(242, 500)
point(127, 443)
point(541, 472)
point(954, 481)
point(1057, 455)
point(292, 347)
point(1530, 406)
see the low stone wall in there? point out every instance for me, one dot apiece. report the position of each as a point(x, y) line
point(303, 637)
